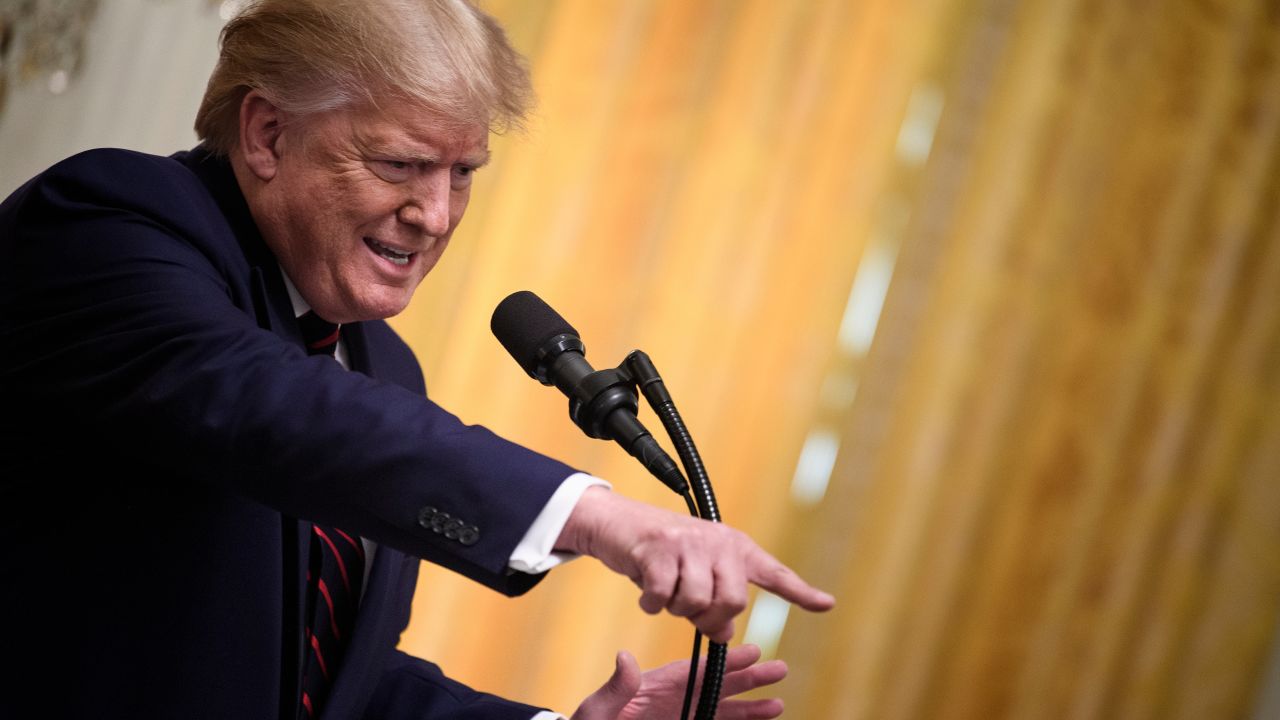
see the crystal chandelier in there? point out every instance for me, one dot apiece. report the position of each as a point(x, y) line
point(45, 39)
point(42, 38)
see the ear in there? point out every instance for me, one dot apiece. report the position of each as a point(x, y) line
point(261, 123)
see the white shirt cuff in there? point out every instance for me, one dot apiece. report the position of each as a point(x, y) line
point(548, 715)
point(534, 553)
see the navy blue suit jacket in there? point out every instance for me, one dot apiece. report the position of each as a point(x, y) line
point(165, 441)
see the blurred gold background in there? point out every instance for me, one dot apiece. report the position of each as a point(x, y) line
point(973, 307)
point(1055, 487)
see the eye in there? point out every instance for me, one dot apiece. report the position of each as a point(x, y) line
point(462, 175)
point(395, 171)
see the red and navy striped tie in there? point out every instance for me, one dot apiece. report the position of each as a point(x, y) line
point(334, 577)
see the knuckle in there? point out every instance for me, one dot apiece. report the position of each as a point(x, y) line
point(659, 571)
point(735, 605)
point(637, 555)
point(670, 534)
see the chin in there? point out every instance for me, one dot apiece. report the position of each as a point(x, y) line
point(380, 308)
point(362, 299)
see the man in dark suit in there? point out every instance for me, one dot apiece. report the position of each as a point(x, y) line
point(179, 472)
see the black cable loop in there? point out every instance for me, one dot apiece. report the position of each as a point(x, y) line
point(693, 676)
point(642, 371)
point(696, 655)
point(700, 486)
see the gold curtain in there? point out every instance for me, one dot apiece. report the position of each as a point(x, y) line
point(1054, 490)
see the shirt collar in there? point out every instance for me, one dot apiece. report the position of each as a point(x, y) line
point(300, 306)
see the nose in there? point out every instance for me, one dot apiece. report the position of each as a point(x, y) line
point(426, 206)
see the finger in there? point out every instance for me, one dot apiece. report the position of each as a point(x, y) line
point(694, 592)
point(739, 675)
point(741, 656)
point(770, 574)
point(729, 600)
point(749, 709)
point(758, 676)
point(617, 691)
point(722, 633)
point(658, 583)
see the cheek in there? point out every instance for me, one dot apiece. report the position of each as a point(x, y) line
point(437, 251)
point(458, 206)
point(360, 210)
point(324, 206)
point(352, 189)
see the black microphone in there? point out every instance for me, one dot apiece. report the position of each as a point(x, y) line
point(602, 403)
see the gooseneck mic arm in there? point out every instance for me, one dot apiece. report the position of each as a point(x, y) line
point(603, 403)
point(655, 392)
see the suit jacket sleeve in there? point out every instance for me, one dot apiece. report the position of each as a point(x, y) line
point(135, 312)
point(414, 689)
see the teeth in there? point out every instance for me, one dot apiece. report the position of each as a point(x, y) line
point(396, 257)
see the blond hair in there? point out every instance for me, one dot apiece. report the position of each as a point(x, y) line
point(310, 56)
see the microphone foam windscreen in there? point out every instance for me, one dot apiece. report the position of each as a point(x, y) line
point(522, 323)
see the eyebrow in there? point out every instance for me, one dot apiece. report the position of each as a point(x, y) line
point(378, 147)
point(478, 160)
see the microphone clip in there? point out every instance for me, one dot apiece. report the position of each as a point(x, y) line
point(598, 395)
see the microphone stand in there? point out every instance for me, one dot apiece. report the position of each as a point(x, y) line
point(638, 370)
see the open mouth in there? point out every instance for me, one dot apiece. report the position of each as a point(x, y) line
point(395, 257)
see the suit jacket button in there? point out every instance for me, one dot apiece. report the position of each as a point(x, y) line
point(425, 517)
point(469, 535)
point(451, 528)
point(440, 521)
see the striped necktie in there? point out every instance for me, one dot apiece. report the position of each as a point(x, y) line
point(334, 576)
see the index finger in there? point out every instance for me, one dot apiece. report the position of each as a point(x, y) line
point(770, 574)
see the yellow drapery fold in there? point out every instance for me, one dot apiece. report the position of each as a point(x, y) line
point(1054, 481)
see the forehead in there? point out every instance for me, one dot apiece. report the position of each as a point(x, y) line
point(408, 132)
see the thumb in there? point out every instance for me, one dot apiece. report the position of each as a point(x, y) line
point(608, 701)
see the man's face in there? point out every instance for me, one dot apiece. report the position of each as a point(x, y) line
point(363, 204)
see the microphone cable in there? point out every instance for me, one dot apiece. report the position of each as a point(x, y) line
point(701, 501)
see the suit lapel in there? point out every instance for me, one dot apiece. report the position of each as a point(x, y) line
point(377, 625)
point(358, 356)
point(271, 304)
point(376, 630)
point(274, 312)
